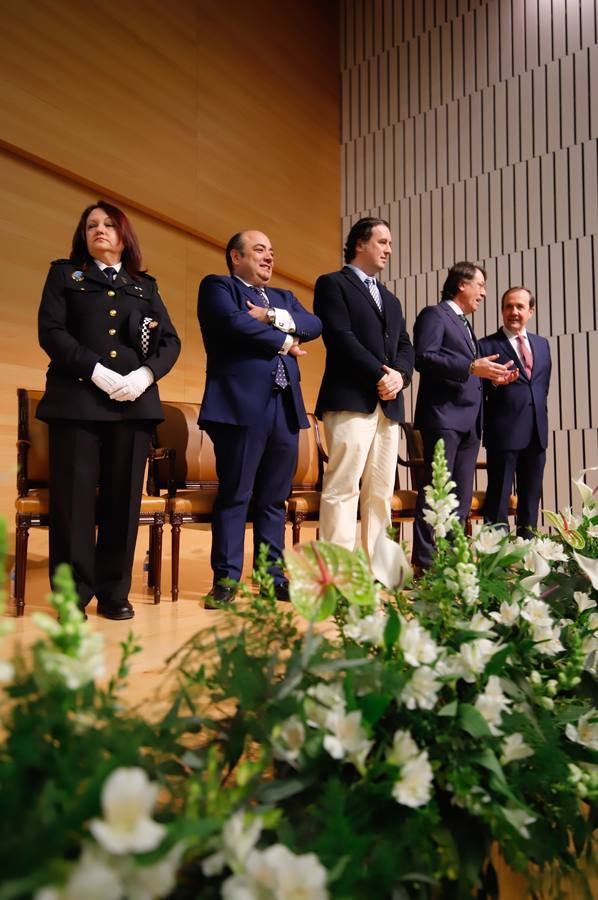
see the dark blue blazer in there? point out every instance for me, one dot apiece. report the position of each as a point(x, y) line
point(359, 340)
point(514, 413)
point(242, 353)
point(448, 396)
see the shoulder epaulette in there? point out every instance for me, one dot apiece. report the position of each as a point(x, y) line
point(147, 275)
point(58, 262)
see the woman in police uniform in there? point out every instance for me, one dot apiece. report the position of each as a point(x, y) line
point(106, 330)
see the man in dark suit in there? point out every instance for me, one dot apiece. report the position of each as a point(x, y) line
point(252, 406)
point(515, 417)
point(449, 398)
point(369, 360)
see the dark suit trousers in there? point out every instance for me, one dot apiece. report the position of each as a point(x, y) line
point(253, 463)
point(461, 451)
point(527, 468)
point(96, 475)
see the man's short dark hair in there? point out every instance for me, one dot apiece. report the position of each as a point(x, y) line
point(361, 231)
point(511, 290)
point(461, 271)
point(237, 242)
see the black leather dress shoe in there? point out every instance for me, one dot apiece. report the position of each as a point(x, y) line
point(122, 609)
point(220, 595)
point(281, 591)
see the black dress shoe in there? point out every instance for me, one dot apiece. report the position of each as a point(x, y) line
point(281, 591)
point(122, 609)
point(220, 595)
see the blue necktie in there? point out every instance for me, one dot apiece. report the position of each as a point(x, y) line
point(281, 379)
point(110, 273)
point(373, 289)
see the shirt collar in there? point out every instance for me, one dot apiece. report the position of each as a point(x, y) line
point(360, 273)
point(455, 307)
point(102, 265)
point(512, 335)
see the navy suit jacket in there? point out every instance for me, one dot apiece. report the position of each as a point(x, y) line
point(514, 413)
point(242, 352)
point(448, 396)
point(359, 340)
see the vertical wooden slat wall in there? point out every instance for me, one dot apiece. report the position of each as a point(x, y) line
point(472, 127)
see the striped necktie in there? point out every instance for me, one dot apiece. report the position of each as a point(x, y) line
point(372, 287)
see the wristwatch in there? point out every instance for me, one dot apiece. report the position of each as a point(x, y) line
point(271, 316)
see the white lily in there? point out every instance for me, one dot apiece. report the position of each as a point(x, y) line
point(288, 739)
point(507, 614)
point(278, 874)
point(585, 492)
point(583, 600)
point(586, 730)
point(347, 738)
point(514, 748)
point(415, 642)
point(589, 567)
point(422, 689)
point(414, 787)
point(389, 563)
point(491, 703)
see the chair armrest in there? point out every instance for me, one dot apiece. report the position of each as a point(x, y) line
point(155, 483)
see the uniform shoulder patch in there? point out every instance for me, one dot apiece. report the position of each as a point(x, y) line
point(147, 275)
point(62, 262)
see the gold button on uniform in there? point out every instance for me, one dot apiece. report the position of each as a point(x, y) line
point(112, 331)
point(112, 312)
point(111, 294)
point(113, 353)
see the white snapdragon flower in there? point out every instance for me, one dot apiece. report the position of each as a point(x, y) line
point(438, 512)
point(513, 748)
point(403, 748)
point(239, 837)
point(347, 738)
point(489, 540)
point(537, 613)
point(469, 587)
point(288, 739)
point(519, 819)
point(415, 642)
point(323, 699)
point(278, 874)
point(414, 787)
point(584, 601)
point(473, 657)
point(83, 666)
point(93, 878)
point(479, 622)
point(128, 798)
point(421, 691)
point(507, 614)
point(550, 550)
point(547, 639)
point(586, 730)
point(492, 703)
point(366, 630)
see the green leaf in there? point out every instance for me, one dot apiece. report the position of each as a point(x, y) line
point(449, 709)
point(392, 629)
point(473, 722)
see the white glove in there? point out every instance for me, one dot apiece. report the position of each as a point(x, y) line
point(134, 384)
point(105, 379)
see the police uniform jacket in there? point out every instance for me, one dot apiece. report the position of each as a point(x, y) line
point(84, 319)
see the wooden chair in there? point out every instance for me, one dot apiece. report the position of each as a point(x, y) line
point(187, 466)
point(415, 464)
point(32, 503)
point(303, 504)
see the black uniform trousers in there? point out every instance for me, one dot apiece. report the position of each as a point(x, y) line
point(96, 476)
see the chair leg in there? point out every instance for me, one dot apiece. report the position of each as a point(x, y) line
point(151, 575)
point(297, 522)
point(156, 555)
point(21, 542)
point(175, 533)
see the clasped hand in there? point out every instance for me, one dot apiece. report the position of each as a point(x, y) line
point(390, 384)
point(122, 387)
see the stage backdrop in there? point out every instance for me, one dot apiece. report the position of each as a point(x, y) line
point(472, 126)
point(200, 119)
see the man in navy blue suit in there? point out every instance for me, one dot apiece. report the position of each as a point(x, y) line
point(252, 407)
point(369, 361)
point(449, 398)
point(516, 416)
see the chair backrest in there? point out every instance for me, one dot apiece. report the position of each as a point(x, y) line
point(32, 443)
point(415, 454)
point(310, 458)
point(194, 461)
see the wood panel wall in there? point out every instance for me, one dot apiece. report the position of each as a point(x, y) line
point(199, 119)
point(472, 127)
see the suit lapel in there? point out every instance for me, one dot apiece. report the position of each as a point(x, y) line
point(360, 286)
point(512, 353)
point(459, 329)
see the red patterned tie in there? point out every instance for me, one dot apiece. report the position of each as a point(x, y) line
point(526, 355)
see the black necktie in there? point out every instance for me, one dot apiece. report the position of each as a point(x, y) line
point(281, 379)
point(110, 273)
